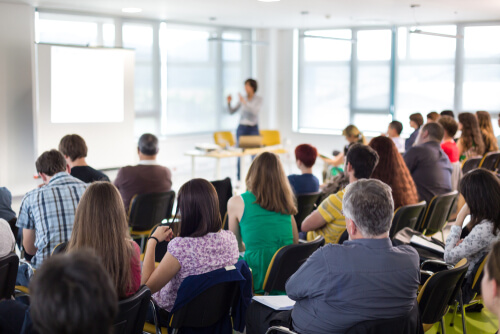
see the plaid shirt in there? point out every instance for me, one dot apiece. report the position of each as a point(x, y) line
point(50, 211)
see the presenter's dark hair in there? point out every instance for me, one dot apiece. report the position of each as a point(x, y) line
point(363, 160)
point(198, 205)
point(252, 83)
point(396, 125)
point(417, 118)
point(73, 146)
point(148, 144)
point(50, 163)
point(72, 293)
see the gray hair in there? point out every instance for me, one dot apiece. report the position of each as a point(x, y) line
point(369, 204)
point(148, 144)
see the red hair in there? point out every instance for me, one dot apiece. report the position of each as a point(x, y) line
point(307, 154)
point(392, 170)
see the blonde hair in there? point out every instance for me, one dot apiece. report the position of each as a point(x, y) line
point(101, 225)
point(267, 180)
point(353, 132)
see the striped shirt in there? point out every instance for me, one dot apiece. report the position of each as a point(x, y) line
point(331, 211)
point(50, 211)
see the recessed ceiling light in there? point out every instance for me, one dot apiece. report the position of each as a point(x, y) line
point(131, 10)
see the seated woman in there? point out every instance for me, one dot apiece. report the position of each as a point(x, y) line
point(262, 218)
point(490, 285)
point(306, 182)
point(201, 245)
point(101, 225)
point(353, 136)
point(391, 169)
point(471, 142)
point(489, 139)
point(481, 191)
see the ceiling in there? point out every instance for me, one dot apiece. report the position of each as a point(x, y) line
point(287, 13)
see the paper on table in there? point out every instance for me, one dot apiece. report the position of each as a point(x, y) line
point(419, 241)
point(278, 303)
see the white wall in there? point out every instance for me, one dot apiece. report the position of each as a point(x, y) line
point(16, 97)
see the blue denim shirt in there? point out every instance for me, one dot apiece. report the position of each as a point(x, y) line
point(342, 285)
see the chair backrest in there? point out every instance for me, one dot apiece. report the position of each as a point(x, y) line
point(490, 161)
point(132, 312)
point(147, 210)
point(60, 248)
point(408, 324)
point(286, 261)
point(8, 274)
point(437, 213)
point(270, 137)
point(224, 190)
point(406, 216)
point(306, 204)
point(208, 308)
point(224, 138)
point(470, 164)
point(439, 292)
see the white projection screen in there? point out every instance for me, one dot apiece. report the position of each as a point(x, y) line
point(90, 92)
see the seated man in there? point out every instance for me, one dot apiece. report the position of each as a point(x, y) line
point(305, 157)
point(47, 213)
point(147, 176)
point(428, 164)
point(71, 293)
point(328, 220)
point(366, 278)
point(74, 149)
point(394, 132)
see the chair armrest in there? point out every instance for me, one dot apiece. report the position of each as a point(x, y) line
point(435, 263)
point(21, 291)
point(280, 329)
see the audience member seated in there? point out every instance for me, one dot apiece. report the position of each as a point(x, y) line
point(262, 218)
point(481, 191)
point(416, 121)
point(366, 278)
point(429, 166)
point(394, 132)
point(490, 285)
point(71, 293)
point(490, 142)
point(201, 245)
point(101, 225)
point(7, 240)
point(305, 157)
point(74, 149)
point(391, 169)
point(6, 211)
point(47, 213)
point(353, 136)
point(329, 220)
point(432, 117)
point(447, 113)
point(471, 142)
point(448, 144)
point(147, 176)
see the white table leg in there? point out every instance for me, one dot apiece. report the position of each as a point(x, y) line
point(192, 167)
point(217, 170)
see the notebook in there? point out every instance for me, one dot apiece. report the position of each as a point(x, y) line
point(426, 244)
point(278, 303)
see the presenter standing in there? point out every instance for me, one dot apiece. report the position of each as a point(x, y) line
point(250, 109)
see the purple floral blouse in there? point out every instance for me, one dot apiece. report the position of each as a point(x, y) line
point(197, 256)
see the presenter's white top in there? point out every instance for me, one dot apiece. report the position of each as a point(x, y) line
point(249, 110)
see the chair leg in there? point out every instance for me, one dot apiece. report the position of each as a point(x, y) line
point(174, 331)
point(442, 235)
point(442, 325)
point(462, 308)
point(452, 323)
point(142, 243)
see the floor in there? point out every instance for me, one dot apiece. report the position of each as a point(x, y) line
point(483, 322)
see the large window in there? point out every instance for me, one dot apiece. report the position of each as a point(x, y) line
point(182, 72)
point(390, 73)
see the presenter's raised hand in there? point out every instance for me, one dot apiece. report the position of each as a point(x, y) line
point(229, 99)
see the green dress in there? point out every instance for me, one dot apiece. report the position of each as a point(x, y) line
point(263, 232)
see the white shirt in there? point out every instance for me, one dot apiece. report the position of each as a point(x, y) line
point(249, 110)
point(400, 143)
point(148, 162)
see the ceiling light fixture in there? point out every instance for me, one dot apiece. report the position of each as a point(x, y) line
point(244, 42)
point(131, 10)
point(421, 32)
point(329, 38)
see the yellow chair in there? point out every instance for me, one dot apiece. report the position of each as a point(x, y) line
point(270, 137)
point(224, 138)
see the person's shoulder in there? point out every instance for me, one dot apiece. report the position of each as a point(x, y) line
point(407, 250)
